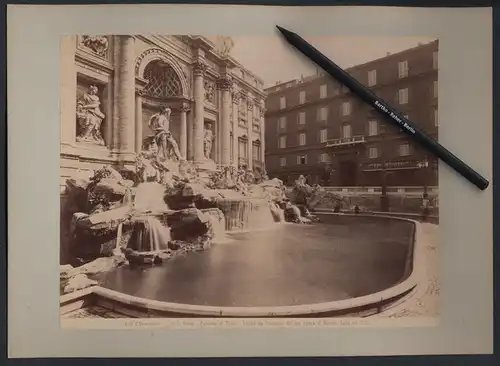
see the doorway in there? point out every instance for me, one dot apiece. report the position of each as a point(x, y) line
point(348, 173)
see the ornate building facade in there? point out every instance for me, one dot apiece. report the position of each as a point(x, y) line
point(319, 129)
point(111, 86)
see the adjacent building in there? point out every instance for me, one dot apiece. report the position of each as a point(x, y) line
point(112, 85)
point(317, 128)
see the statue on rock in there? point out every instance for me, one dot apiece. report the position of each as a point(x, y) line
point(90, 117)
point(168, 148)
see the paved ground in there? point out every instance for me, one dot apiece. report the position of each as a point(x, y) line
point(425, 302)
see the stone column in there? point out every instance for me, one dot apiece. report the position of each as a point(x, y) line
point(225, 84)
point(198, 125)
point(236, 118)
point(183, 136)
point(125, 97)
point(250, 106)
point(262, 135)
point(189, 149)
point(138, 121)
point(68, 90)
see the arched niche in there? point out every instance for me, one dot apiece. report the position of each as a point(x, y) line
point(156, 58)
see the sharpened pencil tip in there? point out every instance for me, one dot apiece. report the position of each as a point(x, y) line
point(284, 31)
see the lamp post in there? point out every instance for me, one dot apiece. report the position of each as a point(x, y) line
point(424, 164)
point(384, 198)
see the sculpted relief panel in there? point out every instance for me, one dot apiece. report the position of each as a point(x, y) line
point(97, 45)
point(210, 91)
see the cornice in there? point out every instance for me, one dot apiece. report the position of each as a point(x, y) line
point(94, 63)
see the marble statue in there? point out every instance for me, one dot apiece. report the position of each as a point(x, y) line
point(90, 117)
point(208, 140)
point(168, 148)
point(224, 45)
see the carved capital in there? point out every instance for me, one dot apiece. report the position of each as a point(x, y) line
point(236, 97)
point(250, 105)
point(200, 68)
point(185, 107)
point(225, 83)
point(262, 111)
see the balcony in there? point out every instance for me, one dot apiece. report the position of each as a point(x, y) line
point(394, 165)
point(346, 141)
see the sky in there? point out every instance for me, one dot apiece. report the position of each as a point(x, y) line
point(272, 59)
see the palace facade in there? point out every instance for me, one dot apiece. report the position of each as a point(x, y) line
point(317, 128)
point(112, 85)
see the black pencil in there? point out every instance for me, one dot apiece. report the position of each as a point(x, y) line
point(384, 109)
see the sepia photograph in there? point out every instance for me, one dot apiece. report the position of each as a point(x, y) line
point(221, 177)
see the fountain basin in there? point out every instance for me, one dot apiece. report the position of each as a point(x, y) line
point(240, 289)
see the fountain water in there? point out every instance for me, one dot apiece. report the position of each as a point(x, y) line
point(149, 197)
point(246, 213)
point(149, 235)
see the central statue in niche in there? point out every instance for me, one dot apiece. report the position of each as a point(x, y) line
point(208, 139)
point(159, 123)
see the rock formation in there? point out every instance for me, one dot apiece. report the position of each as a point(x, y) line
point(116, 217)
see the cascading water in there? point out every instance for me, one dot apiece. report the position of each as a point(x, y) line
point(246, 213)
point(149, 235)
point(150, 197)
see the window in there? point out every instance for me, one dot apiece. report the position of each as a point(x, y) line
point(302, 159)
point(282, 102)
point(403, 69)
point(404, 150)
point(403, 96)
point(435, 89)
point(282, 162)
point(323, 91)
point(255, 151)
point(435, 59)
point(373, 152)
point(324, 158)
point(162, 81)
point(346, 108)
point(346, 131)
point(323, 135)
point(282, 123)
point(302, 139)
point(372, 127)
point(302, 97)
point(242, 149)
point(302, 118)
point(372, 77)
point(436, 117)
point(282, 142)
point(322, 113)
